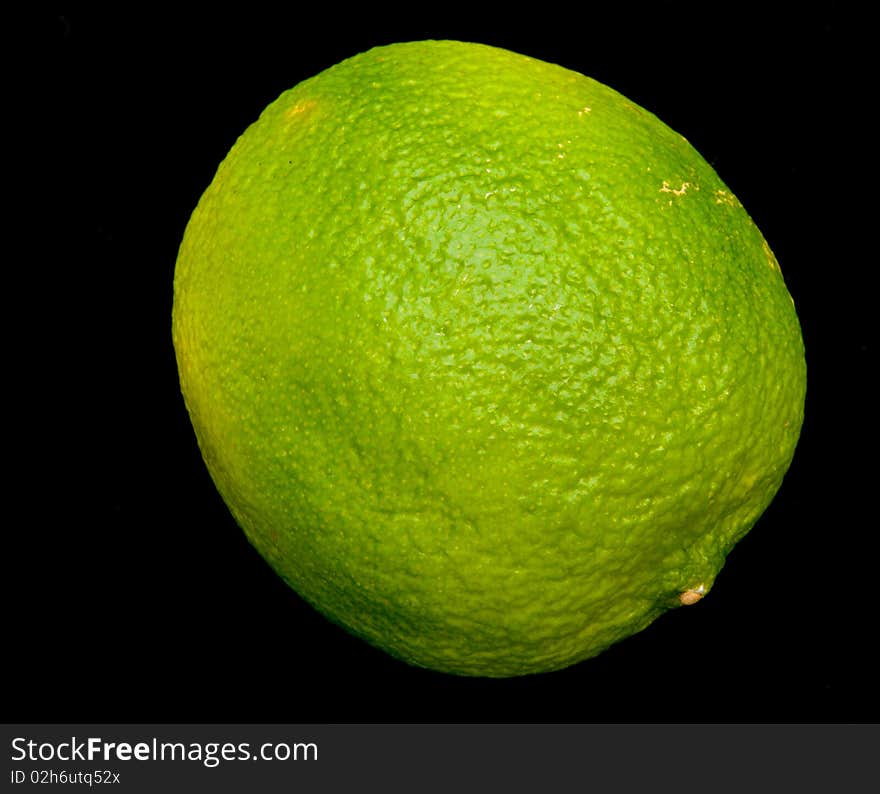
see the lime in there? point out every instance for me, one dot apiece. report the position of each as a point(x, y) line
point(488, 363)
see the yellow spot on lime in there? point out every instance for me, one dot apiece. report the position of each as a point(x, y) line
point(300, 107)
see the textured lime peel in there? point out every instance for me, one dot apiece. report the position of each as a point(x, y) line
point(488, 363)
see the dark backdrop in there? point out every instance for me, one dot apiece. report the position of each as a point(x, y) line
point(134, 597)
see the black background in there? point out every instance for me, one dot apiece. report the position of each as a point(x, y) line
point(134, 597)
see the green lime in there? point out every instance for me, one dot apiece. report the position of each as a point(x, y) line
point(487, 362)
